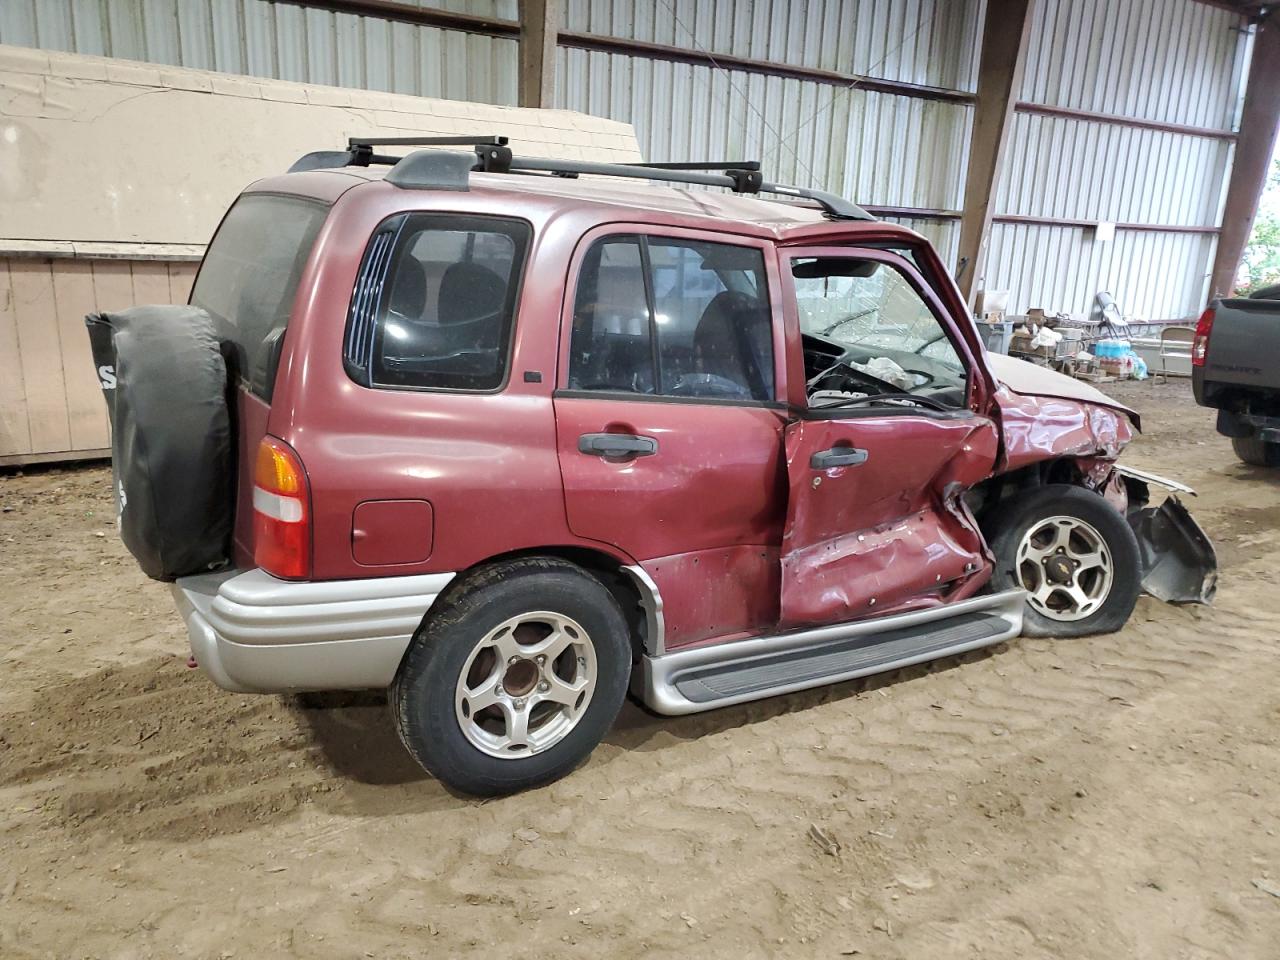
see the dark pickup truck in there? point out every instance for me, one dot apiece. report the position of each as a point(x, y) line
point(1235, 367)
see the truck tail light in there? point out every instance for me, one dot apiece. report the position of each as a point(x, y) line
point(1200, 345)
point(281, 512)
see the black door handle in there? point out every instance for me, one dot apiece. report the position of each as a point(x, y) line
point(617, 445)
point(837, 457)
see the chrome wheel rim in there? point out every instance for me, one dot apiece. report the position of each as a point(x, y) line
point(1065, 566)
point(526, 685)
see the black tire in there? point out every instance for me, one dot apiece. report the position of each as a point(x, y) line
point(422, 696)
point(1256, 452)
point(1021, 514)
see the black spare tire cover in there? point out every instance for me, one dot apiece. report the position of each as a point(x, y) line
point(164, 376)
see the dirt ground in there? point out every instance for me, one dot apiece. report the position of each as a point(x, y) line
point(1111, 797)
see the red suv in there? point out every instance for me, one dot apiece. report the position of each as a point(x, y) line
point(508, 441)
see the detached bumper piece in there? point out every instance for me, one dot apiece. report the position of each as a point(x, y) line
point(252, 633)
point(1179, 564)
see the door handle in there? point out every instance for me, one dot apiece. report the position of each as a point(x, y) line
point(837, 457)
point(617, 445)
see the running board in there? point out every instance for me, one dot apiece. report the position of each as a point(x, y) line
point(688, 681)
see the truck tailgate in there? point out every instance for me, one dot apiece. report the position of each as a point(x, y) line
point(1245, 344)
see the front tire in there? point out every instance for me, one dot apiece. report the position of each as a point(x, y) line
point(513, 678)
point(1256, 452)
point(1076, 557)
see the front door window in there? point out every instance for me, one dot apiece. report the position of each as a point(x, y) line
point(870, 336)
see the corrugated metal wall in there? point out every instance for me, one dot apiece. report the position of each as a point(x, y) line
point(930, 42)
point(1168, 61)
point(874, 147)
point(877, 148)
point(279, 40)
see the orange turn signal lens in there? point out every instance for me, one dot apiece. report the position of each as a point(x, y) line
point(278, 469)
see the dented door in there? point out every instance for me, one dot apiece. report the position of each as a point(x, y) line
point(875, 523)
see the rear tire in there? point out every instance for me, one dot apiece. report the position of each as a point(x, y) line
point(1256, 452)
point(1076, 557)
point(513, 678)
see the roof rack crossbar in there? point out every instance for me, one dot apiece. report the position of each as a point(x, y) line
point(834, 205)
point(625, 170)
point(493, 155)
point(494, 141)
point(726, 165)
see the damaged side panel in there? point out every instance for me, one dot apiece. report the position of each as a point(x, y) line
point(1042, 428)
point(889, 532)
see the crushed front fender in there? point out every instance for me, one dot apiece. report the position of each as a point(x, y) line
point(1179, 564)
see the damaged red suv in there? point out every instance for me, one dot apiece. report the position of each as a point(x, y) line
point(508, 442)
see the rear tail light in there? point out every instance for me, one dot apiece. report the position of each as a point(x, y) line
point(1200, 345)
point(281, 512)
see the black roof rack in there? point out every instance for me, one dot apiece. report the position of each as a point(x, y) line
point(427, 169)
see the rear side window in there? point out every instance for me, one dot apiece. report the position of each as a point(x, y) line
point(434, 303)
point(250, 275)
point(672, 318)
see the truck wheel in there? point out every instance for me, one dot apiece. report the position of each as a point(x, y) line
point(1256, 451)
point(515, 679)
point(1075, 556)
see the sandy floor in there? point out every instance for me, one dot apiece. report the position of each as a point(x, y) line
point(1113, 797)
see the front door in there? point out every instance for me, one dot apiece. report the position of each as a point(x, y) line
point(885, 446)
point(669, 421)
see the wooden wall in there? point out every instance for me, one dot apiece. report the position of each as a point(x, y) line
point(51, 406)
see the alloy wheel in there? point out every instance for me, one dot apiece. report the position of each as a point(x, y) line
point(525, 685)
point(1065, 566)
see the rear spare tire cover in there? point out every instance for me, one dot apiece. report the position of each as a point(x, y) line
point(165, 379)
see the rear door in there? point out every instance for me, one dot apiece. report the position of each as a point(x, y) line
point(670, 419)
point(885, 445)
point(248, 282)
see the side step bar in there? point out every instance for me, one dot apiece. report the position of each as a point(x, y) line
point(688, 681)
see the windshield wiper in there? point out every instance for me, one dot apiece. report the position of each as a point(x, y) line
point(843, 320)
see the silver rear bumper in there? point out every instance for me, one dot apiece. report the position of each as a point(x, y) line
point(252, 633)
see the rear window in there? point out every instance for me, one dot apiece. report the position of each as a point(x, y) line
point(434, 304)
point(250, 275)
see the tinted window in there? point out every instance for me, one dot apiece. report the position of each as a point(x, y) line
point(673, 318)
point(434, 304)
point(250, 275)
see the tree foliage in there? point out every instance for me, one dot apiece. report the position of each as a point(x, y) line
point(1261, 262)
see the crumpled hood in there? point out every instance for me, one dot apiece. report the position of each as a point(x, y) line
point(1045, 415)
point(1031, 380)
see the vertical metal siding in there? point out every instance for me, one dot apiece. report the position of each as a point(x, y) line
point(919, 41)
point(282, 41)
point(1173, 61)
point(874, 147)
point(1158, 276)
point(1084, 170)
point(1168, 60)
